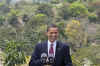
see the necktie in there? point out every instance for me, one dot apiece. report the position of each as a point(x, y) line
point(51, 50)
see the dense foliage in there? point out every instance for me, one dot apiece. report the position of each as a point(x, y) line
point(23, 24)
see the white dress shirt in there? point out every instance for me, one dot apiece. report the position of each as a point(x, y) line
point(54, 47)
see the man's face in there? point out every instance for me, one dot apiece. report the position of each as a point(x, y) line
point(52, 34)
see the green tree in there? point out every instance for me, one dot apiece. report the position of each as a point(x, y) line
point(91, 53)
point(62, 34)
point(92, 17)
point(71, 1)
point(78, 9)
point(47, 10)
point(2, 19)
point(15, 20)
point(63, 11)
point(14, 54)
point(55, 1)
point(76, 35)
point(37, 20)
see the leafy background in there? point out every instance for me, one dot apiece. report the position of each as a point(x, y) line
point(23, 24)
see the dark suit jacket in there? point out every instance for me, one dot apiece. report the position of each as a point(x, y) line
point(62, 55)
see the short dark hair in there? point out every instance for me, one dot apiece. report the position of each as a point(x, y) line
point(51, 26)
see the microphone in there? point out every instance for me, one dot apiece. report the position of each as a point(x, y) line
point(51, 58)
point(44, 58)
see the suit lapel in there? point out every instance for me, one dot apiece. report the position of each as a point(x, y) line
point(45, 47)
point(57, 49)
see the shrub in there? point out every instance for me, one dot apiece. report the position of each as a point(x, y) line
point(92, 17)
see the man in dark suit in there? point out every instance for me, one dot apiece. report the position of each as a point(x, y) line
point(60, 51)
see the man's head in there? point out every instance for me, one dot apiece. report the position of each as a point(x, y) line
point(52, 32)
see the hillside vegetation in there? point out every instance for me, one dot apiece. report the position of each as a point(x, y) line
point(23, 25)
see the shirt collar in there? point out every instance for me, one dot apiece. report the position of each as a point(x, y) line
point(52, 43)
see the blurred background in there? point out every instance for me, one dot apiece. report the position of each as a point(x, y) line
point(23, 24)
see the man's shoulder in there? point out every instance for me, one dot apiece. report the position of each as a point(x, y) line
point(64, 44)
point(41, 43)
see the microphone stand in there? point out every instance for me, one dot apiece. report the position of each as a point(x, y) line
point(48, 63)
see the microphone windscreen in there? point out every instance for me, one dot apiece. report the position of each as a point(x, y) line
point(43, 55)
